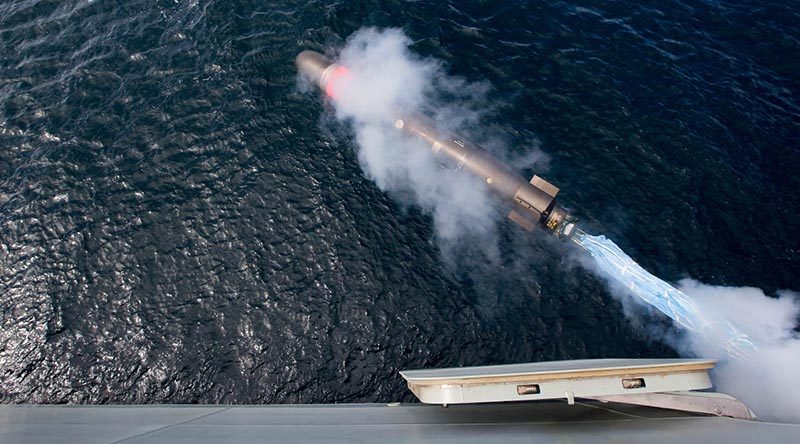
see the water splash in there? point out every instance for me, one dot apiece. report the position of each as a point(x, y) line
point(618, 267)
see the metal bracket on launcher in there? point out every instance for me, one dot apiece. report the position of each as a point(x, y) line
point(710, 403)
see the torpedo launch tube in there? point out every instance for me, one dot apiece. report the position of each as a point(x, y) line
point(533, 203)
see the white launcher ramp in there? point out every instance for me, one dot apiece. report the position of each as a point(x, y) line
point(664, 383)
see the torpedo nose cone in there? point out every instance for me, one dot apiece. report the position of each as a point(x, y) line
point(312, 65)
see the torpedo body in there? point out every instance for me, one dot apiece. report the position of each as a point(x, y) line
point(533, 203)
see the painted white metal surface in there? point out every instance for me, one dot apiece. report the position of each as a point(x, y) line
point(548, 367)
point(707, 403)
point(558, 380)
point(556, 389)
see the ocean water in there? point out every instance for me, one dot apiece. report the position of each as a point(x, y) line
point(179, 224)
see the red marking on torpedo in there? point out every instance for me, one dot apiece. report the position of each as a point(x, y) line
point(334, 82)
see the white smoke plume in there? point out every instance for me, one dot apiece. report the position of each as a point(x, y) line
point(387, 81)
point(767, 380)
point(751, 335)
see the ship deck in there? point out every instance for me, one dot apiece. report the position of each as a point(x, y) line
point(529, 422)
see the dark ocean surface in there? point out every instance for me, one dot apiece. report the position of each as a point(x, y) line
point(177, 225)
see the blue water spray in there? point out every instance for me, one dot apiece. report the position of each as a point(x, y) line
point(619, 267)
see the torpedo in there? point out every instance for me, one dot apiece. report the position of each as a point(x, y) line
point(532, 203)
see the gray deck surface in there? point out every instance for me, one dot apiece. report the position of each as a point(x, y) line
point(542, 422)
